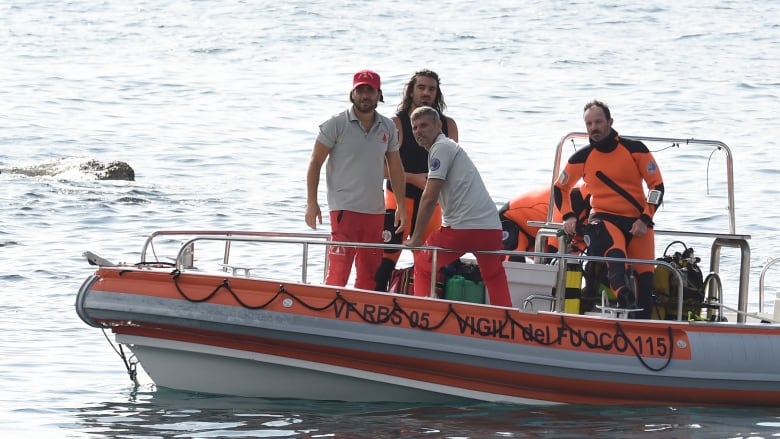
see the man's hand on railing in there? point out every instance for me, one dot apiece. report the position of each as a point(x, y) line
point(413, 242)
point(570, 226)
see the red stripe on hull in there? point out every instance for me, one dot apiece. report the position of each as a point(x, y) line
point(494, 381)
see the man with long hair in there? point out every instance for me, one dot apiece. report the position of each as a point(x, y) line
point(423, 89)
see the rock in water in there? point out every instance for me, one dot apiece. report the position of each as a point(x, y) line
point(115, 170)
point(76, 168)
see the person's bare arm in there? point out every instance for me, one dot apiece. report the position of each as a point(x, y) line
point(313, 212)
point(452, 129)
point(400, 129)
point(424, 212)
point(398, 180)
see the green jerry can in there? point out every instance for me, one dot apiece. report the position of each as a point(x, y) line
point(461, 289)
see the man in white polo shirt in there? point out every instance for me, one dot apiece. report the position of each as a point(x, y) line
point(470, 219)
point(358, 143)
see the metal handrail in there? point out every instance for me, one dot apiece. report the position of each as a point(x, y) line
point(761, 285)
point(183, 257)
point(224, 233)
point(307, 239)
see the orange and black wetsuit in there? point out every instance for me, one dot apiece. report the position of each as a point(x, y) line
point(532, 206)
point(415, 160)
point(614, 170)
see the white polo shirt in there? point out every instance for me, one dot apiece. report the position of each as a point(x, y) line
point(355, 167)
point(465, 201)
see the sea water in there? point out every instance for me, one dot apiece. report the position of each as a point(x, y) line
point(215, 104)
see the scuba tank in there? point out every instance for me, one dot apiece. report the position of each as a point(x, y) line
point(573, 292)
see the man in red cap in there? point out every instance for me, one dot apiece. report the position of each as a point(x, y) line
point(357, 143)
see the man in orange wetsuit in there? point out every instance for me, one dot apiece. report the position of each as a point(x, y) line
point(518, 235)
point(621, 219)
point(423, 89)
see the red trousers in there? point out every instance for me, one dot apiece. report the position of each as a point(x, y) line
point(348, 226)
point(464, 241)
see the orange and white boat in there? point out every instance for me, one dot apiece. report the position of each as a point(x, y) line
point(237, 330)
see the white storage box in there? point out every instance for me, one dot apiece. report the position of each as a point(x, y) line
point(527, 279)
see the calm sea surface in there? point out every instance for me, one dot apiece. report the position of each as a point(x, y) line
point(215, 104)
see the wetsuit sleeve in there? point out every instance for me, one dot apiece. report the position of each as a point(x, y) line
point(567, 179)
point(580, 202)
point(651, 174)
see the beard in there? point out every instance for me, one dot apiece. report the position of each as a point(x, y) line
point(598, 135)
point(365, 106)
point(424, 103)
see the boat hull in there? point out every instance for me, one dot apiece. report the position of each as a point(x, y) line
point(254, 337)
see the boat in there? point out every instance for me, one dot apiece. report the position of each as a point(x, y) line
point(210, 318)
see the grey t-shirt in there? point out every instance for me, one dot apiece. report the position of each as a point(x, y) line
point(355, 167)
point(465, 201)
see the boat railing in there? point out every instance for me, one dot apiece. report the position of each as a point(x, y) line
point(183, 259)
point(761, 285)
point(720, 240)
point(564, 257)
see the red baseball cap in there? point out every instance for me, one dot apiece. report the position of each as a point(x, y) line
point(366, 77)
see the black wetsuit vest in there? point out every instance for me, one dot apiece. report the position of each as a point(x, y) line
point(413, 156)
